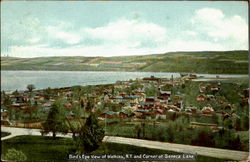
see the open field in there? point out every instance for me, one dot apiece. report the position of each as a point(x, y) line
point(229, 62)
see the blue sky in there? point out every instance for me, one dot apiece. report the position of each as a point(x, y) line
point(70, 28)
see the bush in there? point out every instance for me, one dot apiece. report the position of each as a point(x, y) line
point(226, 139)
point(15, 155)
point(203, 138)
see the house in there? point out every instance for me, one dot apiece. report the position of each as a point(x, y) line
point(68, 93)
point(227, 107)
point(170, 110)
point(123, 94)
point(215, 89)
point(46, 107)
point(117, 99)
point(173, 108)
point(161, 116)
point(125, 114)
point(20, 99)
point(159, 111)
point(202, 89)
point(188, 75)
point(144, 112)
point(132, 99)
point(246, 92)
point(207, 110)
point(152, 78)
point(201, 98)
point(167, 85)
point(4, 115)
point(139, 92)
point(225, 116)
point(106, 97)
point(138, 114)
point(178, 104)
point(17, 105)
point(177, 97)
point(68, 105)
point(109, 114)
point(183, 74)
point(210, 97)
point(206, 125)
point(149, 102)
point(164, 95)
point(191, 110)
point(47, 104)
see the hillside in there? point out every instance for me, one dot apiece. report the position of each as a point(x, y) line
point(229, 62)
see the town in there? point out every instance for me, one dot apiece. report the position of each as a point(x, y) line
point(187, 110)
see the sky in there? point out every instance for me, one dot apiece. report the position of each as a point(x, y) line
point(121, 28)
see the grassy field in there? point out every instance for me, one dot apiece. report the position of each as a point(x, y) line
point(227, 62)
point(38, 148)
point(4, 134)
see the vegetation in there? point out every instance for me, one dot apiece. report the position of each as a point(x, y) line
point(55, 121)
point(227, 62)
point(31, 87)
point(91, 134)
point(4, 134)
point(73, 106)
point(177, 132)
point(38, 148)
point(15, 155)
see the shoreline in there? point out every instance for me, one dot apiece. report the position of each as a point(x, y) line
point(199, 78)
point(31, 70)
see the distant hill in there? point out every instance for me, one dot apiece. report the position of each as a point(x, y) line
point(226, 62)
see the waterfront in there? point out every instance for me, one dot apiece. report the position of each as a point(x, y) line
point(12, 80)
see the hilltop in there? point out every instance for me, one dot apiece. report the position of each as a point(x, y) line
point(214, 62)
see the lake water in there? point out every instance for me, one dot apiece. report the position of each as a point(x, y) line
point(12, 80)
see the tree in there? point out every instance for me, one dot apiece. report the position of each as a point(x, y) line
point(151, 91)
point(228, 123)
point(237, 124)
point(170, 134)
point(7, 104)
point(31, 87)
point(55, 121)
point(74, 127)
point(235, 143)
point(138, 130)
point(91, 134)
point(245, 122)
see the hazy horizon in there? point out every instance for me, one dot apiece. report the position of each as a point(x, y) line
point(128, 28)
point(126, 55)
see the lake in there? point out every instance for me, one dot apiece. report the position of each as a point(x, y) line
point(12, 80)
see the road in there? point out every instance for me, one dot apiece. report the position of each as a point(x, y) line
point(179, 148)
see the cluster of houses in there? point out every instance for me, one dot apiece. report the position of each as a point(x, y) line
point(134, 103)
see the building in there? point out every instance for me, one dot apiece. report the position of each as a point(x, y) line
point(164, 95)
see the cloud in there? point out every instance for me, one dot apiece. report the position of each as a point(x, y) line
point(34, 40)
point(231, 31)
point(209, 29)
point(129, 31)
point(209, 14)
point(63, 35)
point(121, 37)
